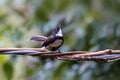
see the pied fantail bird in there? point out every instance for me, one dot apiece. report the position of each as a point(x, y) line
point(55, 40)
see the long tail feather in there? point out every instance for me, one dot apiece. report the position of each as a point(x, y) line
point(38, 38)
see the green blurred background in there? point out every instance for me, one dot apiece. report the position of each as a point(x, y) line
point(95, 26)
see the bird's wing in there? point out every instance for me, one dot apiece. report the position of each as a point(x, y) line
point(38, 38)
point(48, 41)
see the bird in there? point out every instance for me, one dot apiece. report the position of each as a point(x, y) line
point(54, 41)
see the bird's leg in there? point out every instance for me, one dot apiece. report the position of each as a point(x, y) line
point(59, 51)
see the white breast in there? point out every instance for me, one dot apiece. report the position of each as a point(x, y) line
point(56, 43)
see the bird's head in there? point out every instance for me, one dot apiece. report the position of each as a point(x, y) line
point(57, 31)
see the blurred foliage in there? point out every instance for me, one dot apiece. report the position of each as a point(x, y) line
point(95, 26)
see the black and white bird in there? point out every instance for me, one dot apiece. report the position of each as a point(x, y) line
point(54, 41)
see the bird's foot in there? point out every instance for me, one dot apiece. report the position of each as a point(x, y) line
point(59, 51)
point(43, 49)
